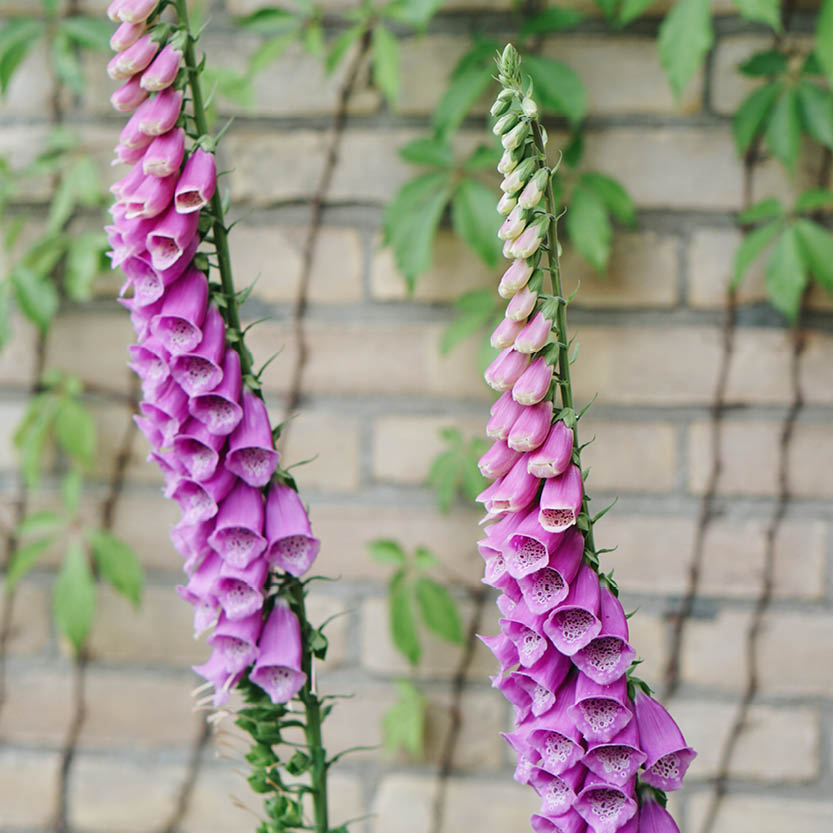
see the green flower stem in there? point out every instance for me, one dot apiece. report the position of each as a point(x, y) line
point(295, 587)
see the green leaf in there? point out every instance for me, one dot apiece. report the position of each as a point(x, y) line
point(402, 623)
point(558, 87)
point(67, 65)
point(813, 199)
point(456, 469)
point(474, 310)
point(554, 19)
point(481, 158)
point(815, 244)
point(632, 9)
point(340, 46)
point(39, 523)
point(468, 82)
point(783, 133)
point(411, 220)
point(574, 151)
point(816, 108)
point(425, 559)
point(387, 551)
point(268, 52)
point(761, 11)
point(17, 37)
point(268, 21)
point(386, 63)
point(5, 314)
point(31, 435)
point(404, 723)
point(751, 248)
point(612, 194)
point(83, 264)
point(75, 429)
point(589, 227)
point(752, 114)
point(88, 32)
point(786, 275)
point(766, 209)
point(414, 13)
point(439, 610)
point(72, 485)
point(73, 599)
point(685, 37)
point(475, 219)
point(765, 63)
point(117, 564)
point(433, 151)
point(35, 295)
point(24, 558)
point(824, 38)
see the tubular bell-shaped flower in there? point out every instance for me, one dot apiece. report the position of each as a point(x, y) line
point(278, 667)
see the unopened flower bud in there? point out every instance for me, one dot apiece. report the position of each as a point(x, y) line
point(126, 35)
point(514, 224)
point(521, 304)
point(135, 11)
point(128, 96)
point(505, 333)
point(509, 161)
point(531, 195)
point(514, 278)
point(534, 335)
point(516, 136)
point(505, 123)
point(530, 108)
point(528, 242)
point(162, 72)
point(506, 204)
point(519, 177)
point(500, 107)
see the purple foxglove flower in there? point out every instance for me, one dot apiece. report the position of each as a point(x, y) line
point(141, 316)
point(553, 737)
point(505, 333)
point(495, 575)
point(136, 11)
point(151, 198)
point(502, 647)
point(506, 203)
point(506, 604)
point(601, 711)
point(575, 622)
point(548, 586)
point(128, 96)
point(124, 155)
point(561, 500)
point(654, 818)
point(191, 542)
point(215, 672)
point(497, 460)
point(201, 370)
point(522, 304)
point(220, 409)
point(148, 427)
point(529, 547)
point(554, 456)
point(558, 792)
point(237, 532)
point(514, 224)
point(504, 412)
point(148, 284)
point(251, 453)
point(514, 279)
point(170, 237)
point(170, 467)
point(131, 136)
point(165, 154)
point(668, 755)
point(240, 590)
point(498, 533)
point(534, 335)
point(605, 807)
point(505, 370)
point(531, 195)
point(149, 361)
point(122, 188)
point(134, 59)
point(159, 114)
point(236, 641)
point(530, 240)
point(517, 695)
point(569, 822)
point(197, 184)
point(167, 406)
point(183, 312)
point(198, 449)
point(532, 385)
point(278, 668)
point(607, 656)
point(531, 427)
point(199, 592)
point(199, 501)
point(526, 631)
point(162, 72)
point(543, 680)
point(292, 546)
point(523, 769)
point(512, 492)
point(618, 760)
point(126, 35)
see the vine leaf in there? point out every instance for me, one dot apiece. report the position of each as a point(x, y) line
point(554, 19)
point(387, 551)
point(475, 219)
point(751, 248)
point(558, 87)
point(469, 80)
point(786, 275)
point(761, 11)
point(386, 63)
point(24, 558)
point(402, 621)
point(73, 599)
point(612, 194)
point(816, 111)
point(753, 113)
point(439, 610)
point(816, 246)
point(404, 722)
point(474, 310)
point(17, 37)
point(455, 469)
point(783, 132)
point(824, 38)
point(75, 429)
point(589, 226)
point(118, 564)
point(685, 37)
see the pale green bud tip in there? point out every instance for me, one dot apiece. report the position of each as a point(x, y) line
point(509, 62)
point(530, 108)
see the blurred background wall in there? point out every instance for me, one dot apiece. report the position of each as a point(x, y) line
point(377, 392)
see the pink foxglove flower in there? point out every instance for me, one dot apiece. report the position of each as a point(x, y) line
point(251, 454)
point(126, 35)
point(128, 96)
point(292, 546)
point(165, 153)
point(197, 183)
point(135, 11)
point(278, 668)
point(163, 71)
point(515, 278)
point(553, 457)
point(159, 114)
point(561, 500)
point(655, 819)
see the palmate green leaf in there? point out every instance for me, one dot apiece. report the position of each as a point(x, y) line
point(385, 61)
point(783, 132)
point(340, 46)
point(815, 244)
point(88, 32)
point(387, 551)
point(761, 11)
point(439, 610)
point(612, 194)
point(268, 21)
point(768, 62)
point(630, 10)
point(766, 209)
point(117, 564)
point(268, 52)
point(32, 433)
point(753, 113)
point(76, 432)
point(824, 38)
point(83, 264)
point(404, 723)
point(751, 248)
point(483, 157)
point(411, 220)
point(474, 310)
point(588, 226)
point(685, 36)
point(36, 296)
point(558, 87)
point(816, 111)
point(813, 199)
point(67, 65)
point(416, 13)
point(431, 151)
point(24, 558)
point(73, 598)
point(425, 559)
point(456, 470)
point(786, 275)
point(469, 81)
point(553, 19)
point(40, 523)
point(17, 37)
point(402, 622)
point(475, 219)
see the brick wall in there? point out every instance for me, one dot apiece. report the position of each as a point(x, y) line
point(377, 391)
